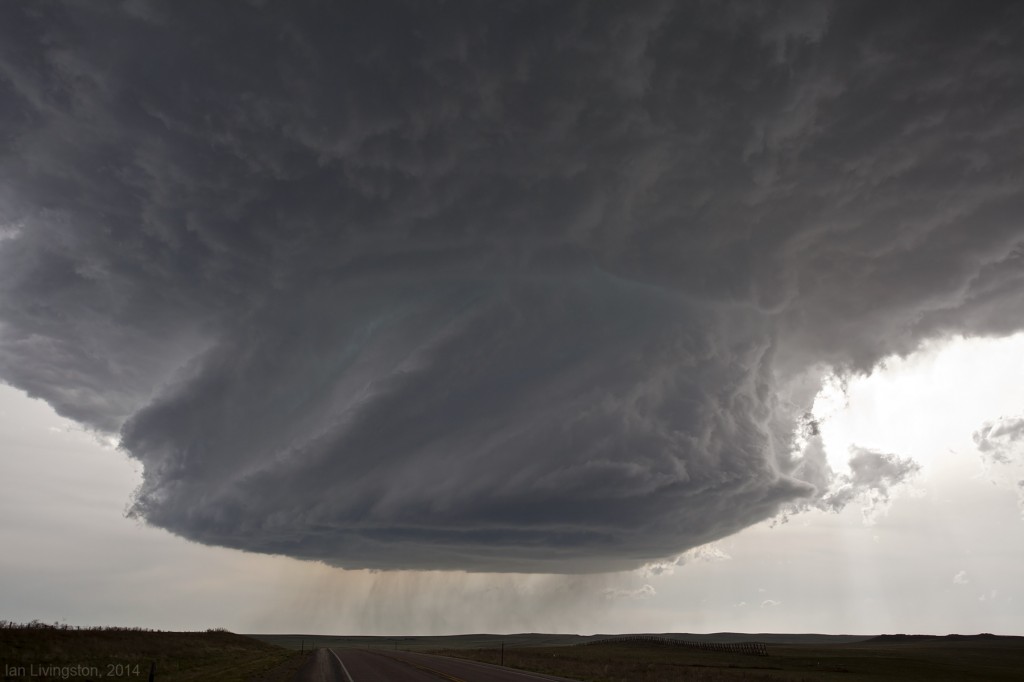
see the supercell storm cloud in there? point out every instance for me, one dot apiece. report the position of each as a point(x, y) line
point(517, 286)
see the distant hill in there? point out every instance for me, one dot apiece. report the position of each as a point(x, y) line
point(765, 637)
point(982, 637)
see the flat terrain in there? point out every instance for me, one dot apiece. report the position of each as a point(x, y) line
point(40, 653)
point(379, 666)
point(48, 653)
point(470, 641)
point(889, 658)
point(527, 639)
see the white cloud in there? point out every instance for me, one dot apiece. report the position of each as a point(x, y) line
point(870, 478)
point(710, 552)
point(961, 578)
point(1001, 445)
point(1001, 441)
point(642, 592)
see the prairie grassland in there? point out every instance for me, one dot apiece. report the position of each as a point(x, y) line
point(52, 653)
point(925, 659)
point(420, 642)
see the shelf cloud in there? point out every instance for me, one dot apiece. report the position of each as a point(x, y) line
point(526, 286)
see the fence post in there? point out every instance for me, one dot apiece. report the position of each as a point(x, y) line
point(152, 671)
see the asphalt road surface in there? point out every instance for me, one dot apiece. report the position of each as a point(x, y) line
point(321, 666)
point(355, 665)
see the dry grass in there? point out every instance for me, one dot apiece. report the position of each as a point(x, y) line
point(46, 653)
point(628, 662)
point(925, 660)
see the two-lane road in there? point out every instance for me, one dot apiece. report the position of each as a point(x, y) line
point(356, 665)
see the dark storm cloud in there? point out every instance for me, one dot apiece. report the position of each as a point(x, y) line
point(500, 286)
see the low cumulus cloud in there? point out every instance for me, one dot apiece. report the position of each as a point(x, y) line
point(643, 592)
point(1001, 445)
point(709, 553)
point(871, 480)
point(1001, 441)
point(872, 477)
point(500, 287)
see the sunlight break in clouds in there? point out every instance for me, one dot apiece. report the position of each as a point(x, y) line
point(961, 394)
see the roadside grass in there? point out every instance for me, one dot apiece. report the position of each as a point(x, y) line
point(929, 660)
point(622, 661)
point(41, 652)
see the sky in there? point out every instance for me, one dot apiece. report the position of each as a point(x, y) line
point(530, 316)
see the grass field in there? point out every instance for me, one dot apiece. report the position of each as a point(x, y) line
point(52, 653)
point(526, 639)
point(471, 641)
point(889, 659)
